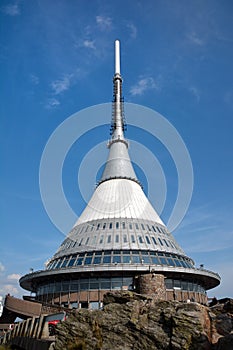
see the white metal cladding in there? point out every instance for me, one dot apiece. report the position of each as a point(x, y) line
point(118, 163)
point(121, 234)
point(119, 198)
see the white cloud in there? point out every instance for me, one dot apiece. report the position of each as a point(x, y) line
point(34, 79)
point(60, 85)
point(14, 276)
point(104, 23)
point(52, 103)
point(143, 85)
point(2, 267)
point(11, 10)
point(195, 92)
point(9, 288)
point(196, 39)
point(133, 30)
point(90, 44)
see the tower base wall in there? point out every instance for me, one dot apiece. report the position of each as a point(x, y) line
point(152, 285)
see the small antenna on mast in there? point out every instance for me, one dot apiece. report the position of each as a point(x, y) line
point(117, 57)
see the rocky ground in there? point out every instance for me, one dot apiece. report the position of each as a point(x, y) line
point(130, 321)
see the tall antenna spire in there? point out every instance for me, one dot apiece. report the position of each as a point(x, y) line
point(118, 122)
point(117, 57)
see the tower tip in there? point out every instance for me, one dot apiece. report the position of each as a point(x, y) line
point(117, 57)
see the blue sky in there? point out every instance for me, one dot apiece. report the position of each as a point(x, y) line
point(56, 58)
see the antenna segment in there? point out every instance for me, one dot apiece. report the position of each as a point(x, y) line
point(117, 57)
point(118, 125)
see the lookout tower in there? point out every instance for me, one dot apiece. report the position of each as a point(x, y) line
point(119, 241)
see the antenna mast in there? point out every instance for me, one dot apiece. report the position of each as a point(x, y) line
point(118, 125)
point(117, 57)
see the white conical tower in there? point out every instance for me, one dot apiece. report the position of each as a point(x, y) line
point(118, 237)
point(119, 199)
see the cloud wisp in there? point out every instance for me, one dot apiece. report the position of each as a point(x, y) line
point(142, 86)
point(11, 10)
point(201, 229)
point(196, 39)
point(2, 267)
point(133, 30)
point(195, 92)
point(104, 23)
point(60, 85)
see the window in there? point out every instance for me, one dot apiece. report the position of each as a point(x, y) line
point(143, 227)
point(94, 305)
point(163, 261)
point(94, 240)
point(105, 284)
point(155, 260)
point(79, 261)
point(92, 227)
point(98, 226)
point(107, 259)
point(170, 262)
point(123, 225)
point(110, 225)
point(166, 243)
point(86, 228)
point(171, 244)
point(97, 260)
point(126, 259)
point(125, 238)
point(153, 228)
point(158, 229)
point(183, 263)
point(87, 240)
point(160, 241)
point(84, 286)
point(153, 239)
point(132, 239)
point(117, 239)
point(109, 239)
point(71, 262)
point(130, 226)
point(88, 260)
point(117, 225)
point(136, 259)
point(101, 239)
point(104, 226)
point(169, 283)
point(140, 239)
point(80, 243)
point(148, 240)
point(146, 259)
point(65, 262)
point(149, 229)
point(177, 283)
point(117, 259)
point(137, 227)
point(177, 263)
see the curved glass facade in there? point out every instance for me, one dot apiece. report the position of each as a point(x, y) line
point(120, 257)
point(111, 283)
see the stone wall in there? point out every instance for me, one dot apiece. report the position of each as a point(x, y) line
point(152, 285)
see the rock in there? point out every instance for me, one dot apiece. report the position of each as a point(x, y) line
point(225, 343)
point(132, 321)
